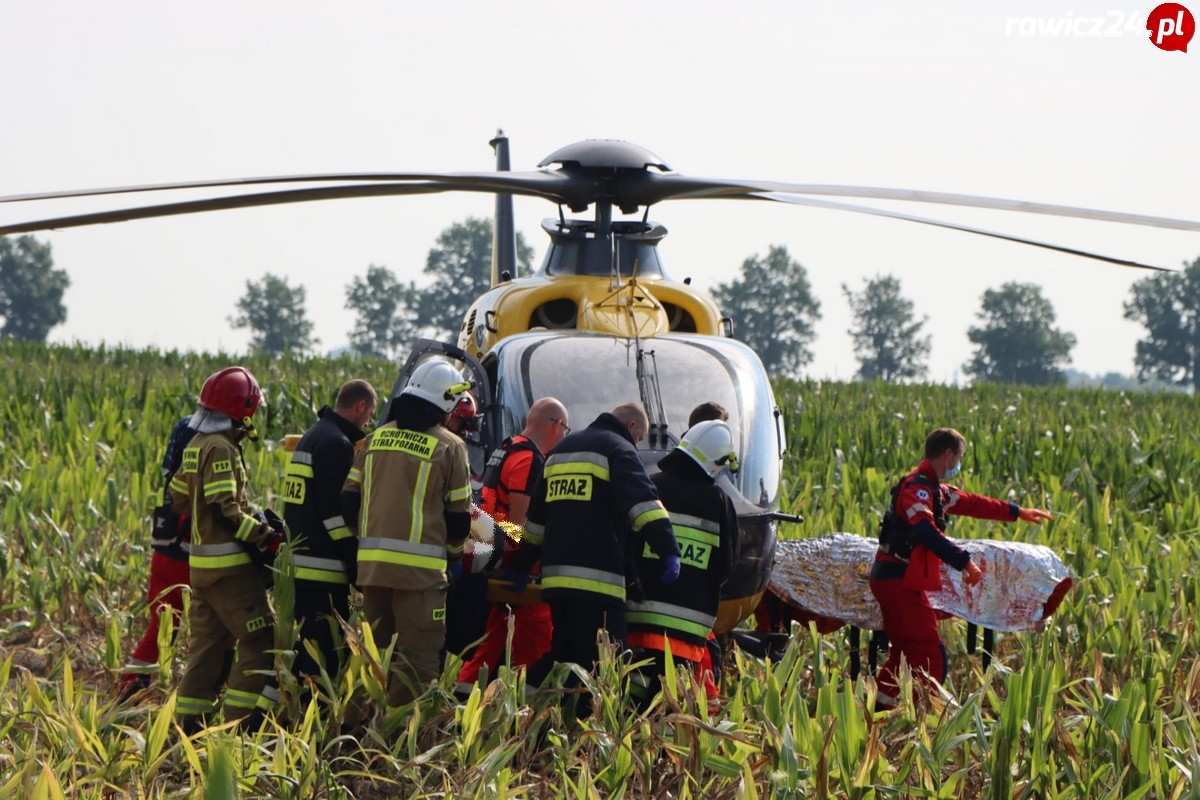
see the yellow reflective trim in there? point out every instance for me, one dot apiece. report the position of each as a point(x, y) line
point(303, 470)
point(668, 622)
point(459, 494)
point(576, 468)
point(650, 516)
point(418, 502)
point(194, 706)
point(219, 487)
point(337, 534)
point(402, 559)
point(368, 481)
point(401, 440)
point(240, 699)
point(219, 562)
point(584, 585)
point(320, 575)
point(179, 486)
point(355, 475)
point(248, 526)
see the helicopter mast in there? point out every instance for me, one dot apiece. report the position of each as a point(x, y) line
point(504, 235)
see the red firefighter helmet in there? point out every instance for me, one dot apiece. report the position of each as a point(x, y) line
point(233, 392)
point(467, 412)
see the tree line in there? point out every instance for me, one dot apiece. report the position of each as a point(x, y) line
point(771, 304)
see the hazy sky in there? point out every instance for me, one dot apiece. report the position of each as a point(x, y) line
point(990, 99)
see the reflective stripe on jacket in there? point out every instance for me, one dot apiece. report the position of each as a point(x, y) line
point(211, 485)
point(594, 496)
point(706, 529)
point(312, 492)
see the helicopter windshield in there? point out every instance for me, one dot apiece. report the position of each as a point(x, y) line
point(592, 373)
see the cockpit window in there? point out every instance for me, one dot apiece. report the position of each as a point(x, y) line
point(591, 374)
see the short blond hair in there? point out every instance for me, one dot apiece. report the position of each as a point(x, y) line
point(636, 413)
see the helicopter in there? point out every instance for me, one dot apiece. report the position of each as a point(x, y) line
point(601, 322)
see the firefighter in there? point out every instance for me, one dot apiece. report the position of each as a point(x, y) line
point(595, 498)
point(323, 547)
point(229, 544)
point(710, 663)
point(408, 499)
point(912, 542)
point(681, 614)
point(466, 598)
point(464, 417)
point(170, 540)
point(512, 470)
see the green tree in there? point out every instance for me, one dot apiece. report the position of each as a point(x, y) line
point(386, 309)
point(1017, 342)
point(1168, 305)
point(274, 313)
point(31, 289)
point(887, 339)
point(773, 310)
point(461, 266)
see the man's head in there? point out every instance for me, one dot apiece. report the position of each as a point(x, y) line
point(633, 417)
point(233, 392)
point(356, 402)
point(706, 412)
point(464, 417)
point(547, 423)
point(944, 449)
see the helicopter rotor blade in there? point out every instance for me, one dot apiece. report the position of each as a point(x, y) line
point(540, 183)
point(654, 188)
point(277, 198)
point(879, 212)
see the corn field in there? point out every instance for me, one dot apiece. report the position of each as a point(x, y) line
point(1103, 704)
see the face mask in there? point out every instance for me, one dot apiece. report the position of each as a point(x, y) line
point(953, 471)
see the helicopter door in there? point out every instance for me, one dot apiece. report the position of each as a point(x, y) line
point(478, 444)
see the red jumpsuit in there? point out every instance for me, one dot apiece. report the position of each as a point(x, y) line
point(169, 571)
point(900, 584)
point(531, 623)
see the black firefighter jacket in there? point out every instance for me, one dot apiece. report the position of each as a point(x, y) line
point(593, 497)
point(313, 499)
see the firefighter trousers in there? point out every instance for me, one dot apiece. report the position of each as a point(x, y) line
point(231, 609)
point(315, 605)
point(417, 619)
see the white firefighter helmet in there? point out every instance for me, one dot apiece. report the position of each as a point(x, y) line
point(710, 444)
point(439, 383)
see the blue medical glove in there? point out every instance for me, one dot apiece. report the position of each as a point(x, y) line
point(516, 579)
point(670, 570)
point(454, 571)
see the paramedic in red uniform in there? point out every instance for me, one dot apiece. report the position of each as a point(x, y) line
point(912, 541)
point(511, 473)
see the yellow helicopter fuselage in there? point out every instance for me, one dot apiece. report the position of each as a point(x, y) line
point(633, 309)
